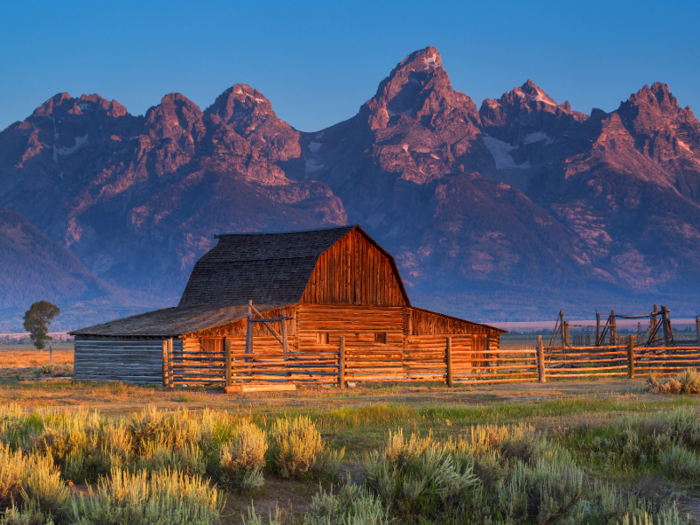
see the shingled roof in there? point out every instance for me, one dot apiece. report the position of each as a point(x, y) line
point(266, 268)
point(173, 322)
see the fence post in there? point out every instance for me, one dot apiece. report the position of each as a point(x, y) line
point(448, 361)
point(171, 372)
point(630, 357)
point(697, 328)
point(166, 376)
point(540, 360)
point(227, 352)
point(341, 362)
point(613, 328)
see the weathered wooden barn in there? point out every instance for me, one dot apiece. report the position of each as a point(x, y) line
point(325, 284)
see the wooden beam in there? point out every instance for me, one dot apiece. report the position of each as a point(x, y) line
point(227, 352)
point(341, 363)
point(166, 373)
point(249, 330)
point(285, 347)
point(271, 387)
point(266, 322)
point(597, 328)
point(540, 360)
point(664, 321)
point(630, 357)
point(448, 361)
point(170, 363)
point(670, 327)
point(613, 328)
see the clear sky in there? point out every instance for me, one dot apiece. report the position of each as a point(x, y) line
point(318, 61)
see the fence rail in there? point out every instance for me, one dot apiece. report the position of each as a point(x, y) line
point(414, 365)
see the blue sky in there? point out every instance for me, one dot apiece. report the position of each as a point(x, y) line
point(318, 61)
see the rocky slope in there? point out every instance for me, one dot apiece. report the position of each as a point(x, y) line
point(522, 194)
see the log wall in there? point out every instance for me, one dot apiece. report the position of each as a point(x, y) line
point(358, 324)
point(132, 360)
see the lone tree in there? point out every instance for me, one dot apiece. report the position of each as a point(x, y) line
point(37, 320)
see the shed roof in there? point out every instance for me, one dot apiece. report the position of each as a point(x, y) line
point(173, 322)
point(492, 328)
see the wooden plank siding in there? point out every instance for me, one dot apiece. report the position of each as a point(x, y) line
point(358, 324)
point(354, 272)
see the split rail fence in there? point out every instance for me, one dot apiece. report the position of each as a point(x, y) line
point(191, 366)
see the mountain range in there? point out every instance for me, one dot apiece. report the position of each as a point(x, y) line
point(509, 210)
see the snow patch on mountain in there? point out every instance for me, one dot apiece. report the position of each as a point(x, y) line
point(79, 141)
point(500, 151)
point(538, 136)
point(312, 165)
point(430, 62)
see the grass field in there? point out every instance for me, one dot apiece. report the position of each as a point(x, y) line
point(565, 452)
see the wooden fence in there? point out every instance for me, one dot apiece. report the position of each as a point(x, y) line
point(192, 366)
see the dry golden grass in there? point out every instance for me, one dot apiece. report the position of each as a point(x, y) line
point(12, 357)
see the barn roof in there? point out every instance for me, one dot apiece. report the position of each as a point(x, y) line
point(172, 322)
point(266, 268)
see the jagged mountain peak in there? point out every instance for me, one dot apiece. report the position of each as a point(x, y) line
point(244, 108)
point(174, 116)
point(658, 95)
point(47, 108)
point(653, 109)
point(527, 94)
point(418, 88)
point(63, 103)
point(421, 60)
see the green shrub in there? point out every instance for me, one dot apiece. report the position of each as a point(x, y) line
point(157, 455)
point(636, 442)
point(686, 382)
point(666, 517)
point(166, 497)
point(243, 458)
point(417, 473)
point(31, 478)
point(353, 505)
point(256, 519)
point(296, 448)
point(29, 514)
point(680, 463)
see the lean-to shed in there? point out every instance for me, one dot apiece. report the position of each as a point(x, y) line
point(326, 283)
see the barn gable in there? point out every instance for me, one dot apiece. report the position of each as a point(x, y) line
point(356, 271)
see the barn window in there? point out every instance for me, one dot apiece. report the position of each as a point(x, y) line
point(380, 338)
point(323, 338)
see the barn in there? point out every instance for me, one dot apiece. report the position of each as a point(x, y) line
point(312, 287)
